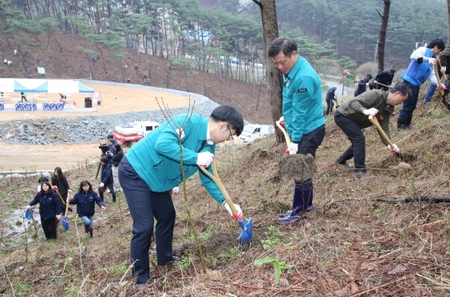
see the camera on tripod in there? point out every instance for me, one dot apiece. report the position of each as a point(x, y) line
point(104, 147)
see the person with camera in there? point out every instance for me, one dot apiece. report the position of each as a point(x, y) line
point(115, 160)
point(106, 179)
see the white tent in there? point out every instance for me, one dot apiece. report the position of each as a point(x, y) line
point(43, 86)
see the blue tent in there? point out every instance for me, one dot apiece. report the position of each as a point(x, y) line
point(33, 86)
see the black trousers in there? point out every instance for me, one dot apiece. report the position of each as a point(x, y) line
point(358, 148)
point(102, 190)
point(49, 227)
point(145, 206)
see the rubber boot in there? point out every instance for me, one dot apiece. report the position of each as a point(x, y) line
point(101, 196)
point(91, 231)
point(309, 196)
point(86, 229)
point(401, 124)
point(113, 197)
point(297, 206)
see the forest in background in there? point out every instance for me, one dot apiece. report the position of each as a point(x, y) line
point(225, 37)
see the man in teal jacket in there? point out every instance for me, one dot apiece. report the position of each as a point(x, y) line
point(151, 168)
point(302, 114)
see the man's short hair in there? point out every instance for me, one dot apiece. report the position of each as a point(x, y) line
point(285, 45)
point(392, 70)
point(403, 89)
point(369, 76)
point(229, 114)
point(439, 42)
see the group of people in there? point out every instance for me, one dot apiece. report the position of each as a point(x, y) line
point(53, 196)
point(53, 199)
point(150, 172)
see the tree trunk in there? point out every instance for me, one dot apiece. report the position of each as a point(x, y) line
point(448, 19)
point(270, 32)
point(382, 40)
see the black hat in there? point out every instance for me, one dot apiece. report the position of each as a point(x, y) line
point(42, 179)
point(230, 115)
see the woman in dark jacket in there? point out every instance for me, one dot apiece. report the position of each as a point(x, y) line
point(85, 200)
point(62, 186)
point(115, 160)
point(49, 209)
point(106, 180)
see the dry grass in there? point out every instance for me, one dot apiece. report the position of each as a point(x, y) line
point(351, 245)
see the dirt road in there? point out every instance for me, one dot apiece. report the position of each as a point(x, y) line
point(114, 99)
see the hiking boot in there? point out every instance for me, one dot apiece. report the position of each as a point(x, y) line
point(291, 218)
point(361, 175)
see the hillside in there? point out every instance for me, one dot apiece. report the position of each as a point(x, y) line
point(362, 239)
point(64, 60)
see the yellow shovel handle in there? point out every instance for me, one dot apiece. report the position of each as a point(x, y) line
point(219, 184)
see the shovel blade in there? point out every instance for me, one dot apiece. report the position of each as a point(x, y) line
point(65, 223)
point(29, 214)
point(246, 235)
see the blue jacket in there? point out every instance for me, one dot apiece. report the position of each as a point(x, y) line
point(107, 177)
point(302, 100)
point(86, 203)
point(416, 74)
point(156, 157)
point(330, 94)
point(49, 204)
point(361, 87)
point(384, 77)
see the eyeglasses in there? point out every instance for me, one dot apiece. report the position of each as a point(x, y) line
point(231, 133)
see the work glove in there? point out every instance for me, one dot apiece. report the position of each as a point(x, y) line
point(58, 217)
point(281, 121)
point(28, 206)
point(102, 208)
point(443, 68)
point(431, 61)
point(371, 111)
point(205, 159)
point(176, 191)
point(101, 185)
point(442, 86)
point(237, 216)
point(394, 149)
point(293, 148)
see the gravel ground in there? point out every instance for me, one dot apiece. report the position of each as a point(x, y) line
point(90, 128)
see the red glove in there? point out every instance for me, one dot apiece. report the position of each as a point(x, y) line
point(55, 188)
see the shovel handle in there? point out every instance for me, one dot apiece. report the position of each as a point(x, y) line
point(441, 92)
point(67, 205)
point(219, 184)
point(375, 122)
point(381, 84)
point(286, 135)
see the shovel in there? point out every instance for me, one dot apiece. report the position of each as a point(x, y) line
point(375, 122)
point(441, 92)
point(297, 166)
point(286, 136)
point(246, 235)
point(65, 221)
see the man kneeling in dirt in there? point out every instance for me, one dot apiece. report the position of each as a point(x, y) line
point(353, 116)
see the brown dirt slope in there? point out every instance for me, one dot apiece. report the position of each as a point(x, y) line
point(64, 60)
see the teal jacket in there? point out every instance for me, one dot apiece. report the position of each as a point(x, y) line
point(302, 100)
point(156, 157)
